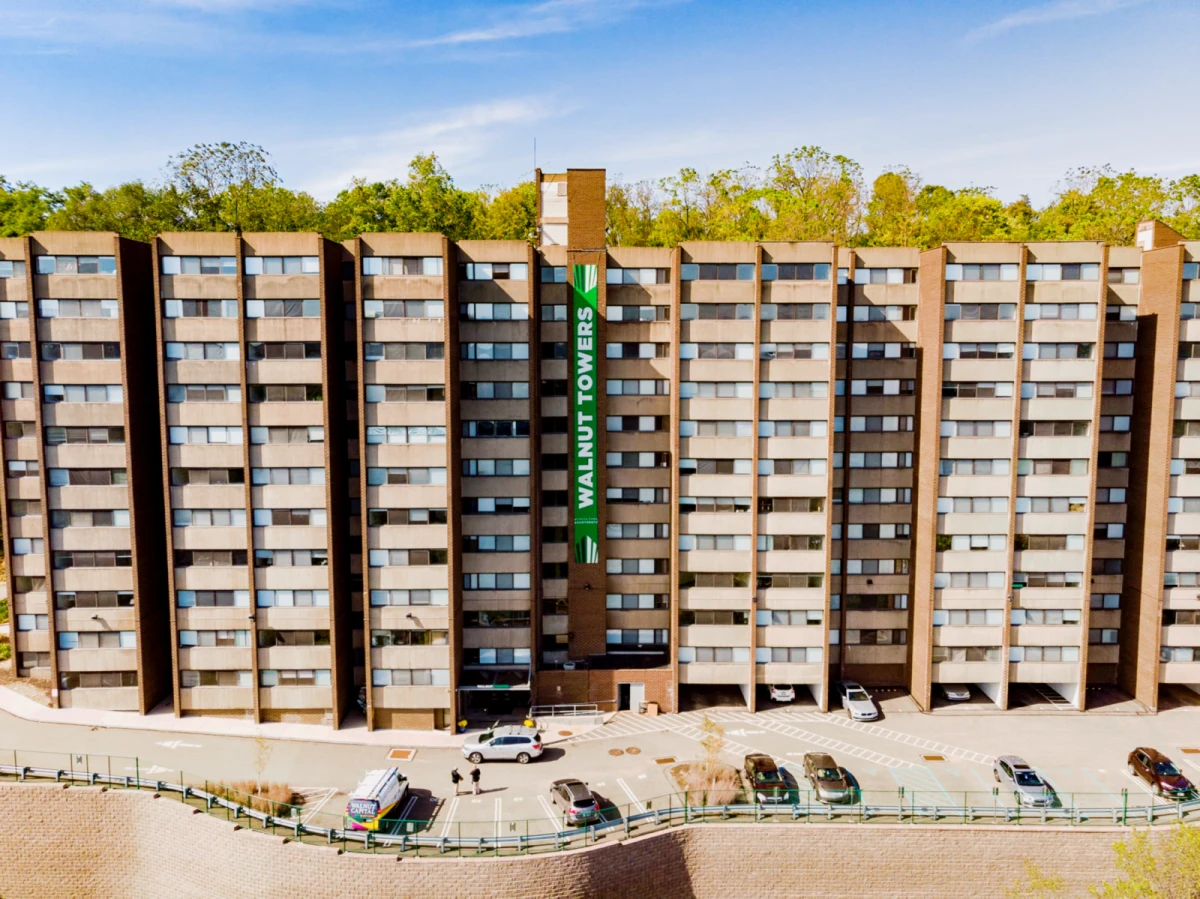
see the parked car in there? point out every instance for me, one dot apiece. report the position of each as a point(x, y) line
point(1027, 785)
point(956, 692)
point(511, 742)
point(829, 782)
point(1160, 773)
point(857, 701)
point(577, 802)
point(782, 693)
point(766, 780)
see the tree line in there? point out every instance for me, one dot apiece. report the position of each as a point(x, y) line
point(805, 194)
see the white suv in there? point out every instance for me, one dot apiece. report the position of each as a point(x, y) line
point(508, 743)
point(782, 693)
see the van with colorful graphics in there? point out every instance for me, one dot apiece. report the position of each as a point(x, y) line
point(375, 798)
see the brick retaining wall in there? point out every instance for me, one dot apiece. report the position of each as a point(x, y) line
point(80, 842)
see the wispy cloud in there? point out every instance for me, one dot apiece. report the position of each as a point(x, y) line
point(460, 136)
point(548, 17)
point(1060, 11)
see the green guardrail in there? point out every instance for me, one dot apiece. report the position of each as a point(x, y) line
point(419, 837)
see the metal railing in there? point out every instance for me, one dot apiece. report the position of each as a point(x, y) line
point(498, 837)
point(565, 710)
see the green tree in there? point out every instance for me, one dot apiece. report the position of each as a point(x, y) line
point(133, 210)
point(811, 194)
point(24, 207)
point(220, 183)
point(1101, 204)
point(968, 214)
point(893, 215)
point(631, 212)
point(510, 214)
point(427, 202)
point(1184, 202)
point(272, 208)
point(1156, 866)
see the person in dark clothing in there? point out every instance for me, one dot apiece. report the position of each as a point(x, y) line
point(456, 779)
point(475, 779)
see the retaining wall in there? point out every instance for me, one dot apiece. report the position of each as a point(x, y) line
point(82, 842)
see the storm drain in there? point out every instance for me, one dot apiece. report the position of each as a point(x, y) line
point(934, 758)
point(401, 755)
point(665, 760)
point(1190, 751)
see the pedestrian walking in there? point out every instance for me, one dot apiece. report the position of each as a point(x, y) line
point(456, 779)
point(475, 779)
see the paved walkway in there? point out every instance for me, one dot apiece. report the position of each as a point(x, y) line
point(163, 719)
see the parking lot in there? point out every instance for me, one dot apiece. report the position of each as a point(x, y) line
point(903, 758)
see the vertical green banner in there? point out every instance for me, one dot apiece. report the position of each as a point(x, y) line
point(585, 292)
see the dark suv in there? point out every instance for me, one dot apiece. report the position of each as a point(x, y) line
point(1160, 773)
point(766, 780)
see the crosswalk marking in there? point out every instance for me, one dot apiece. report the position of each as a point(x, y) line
point(833, 745)
point(884, 733)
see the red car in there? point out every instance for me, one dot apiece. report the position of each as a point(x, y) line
point(1160, 774)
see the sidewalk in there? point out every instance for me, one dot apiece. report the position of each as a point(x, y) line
point(163, 719)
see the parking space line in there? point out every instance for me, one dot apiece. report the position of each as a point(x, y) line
point(450, 817)
point(498, 817)
point(555, 823)
point(309, 793)
point(637, 803)
point(837, 745)
point(403, 819)
point(1154, 797)
point(1098, 782)
point(910, 739)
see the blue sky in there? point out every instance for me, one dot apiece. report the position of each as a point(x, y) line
point(1006, 95)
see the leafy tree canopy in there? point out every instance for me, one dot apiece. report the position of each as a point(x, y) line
point(805, 194)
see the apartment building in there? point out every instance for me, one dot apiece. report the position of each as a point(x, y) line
point(82, 498)
point(453, 479)
point(251, 385)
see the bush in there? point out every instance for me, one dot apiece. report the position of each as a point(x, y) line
point(5, 650)
point(716, 784)
point(272, 798)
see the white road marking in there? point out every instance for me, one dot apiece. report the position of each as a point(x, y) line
point(450, 818)
point(632, 796)
point(321, 794)
point(602, 784)
point(400, 822)
point(1154, 797)
point(153, 769)
point(838, 746)
point(499, 817)
point(177, 744)
point(884, 733)
point(555, 820)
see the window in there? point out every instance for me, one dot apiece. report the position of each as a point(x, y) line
point(977, 428)
point(378, 352)
point(1124, 275)
point(283, 308)
point(181, 518)
point(646, 387)
point(1086, 271)
point(796, 271)
point(196, 351)
point(404, 308)
point(504, 543)
point(289, 517)
point(282, 265)
point(76, 265)
point(181, 477)
point(494, 271)
point(379, 558)
point(193, 678)
point(984, 272)
point(1044, 616)
point(878, 423)
point(20, 469)
point(473, 468)
point(491, 390)
point(633, 351)
point(486, 312)
point(779, 428)
point(716, 389)
point(209, 558)
point(488, 351)
point(259, 435)
point(12, 268)
point(714, 272)
point(967, 653)
point(378, 476)
point(769, 351)
point(474, 429)
point(215, 638)
point(614, 275)
point(212, 598)
point(14, 349)
point(1061, 311)
point(637, 566)
point(56, 436)
point(794, 654)
point(86, 559)
point(77, 308)
point(202, 308)
point(282, 351)
point(1059, 351)
point(713, 654)
point(973, 580)
point(1054, 428)
point(198, 265)
point(204, 435)
point(409, 597)
point(406, 677)
point(980, 312)
point(265, 599)
point(714, 504)
point(97, 639)
point(88, 518)
point(1043, 654)
point(430, 266)
point(644, 423)
point(502, 581)
point(82, 393)
point(93, 599)
point(1056, 390)
point(88, 680)
point(381, 638)
point(720, 312)
point(80, 351)
point(618, 495)
point(978, 350)
point(382, 517)
point(204, 393)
